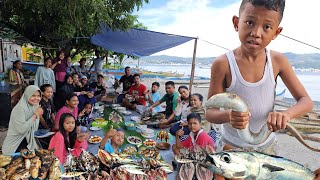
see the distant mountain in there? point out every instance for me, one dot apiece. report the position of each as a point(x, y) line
point(297, 60)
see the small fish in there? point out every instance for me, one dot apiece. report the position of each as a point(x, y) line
point(72, 174)
point(255, 165)
point(133, 169)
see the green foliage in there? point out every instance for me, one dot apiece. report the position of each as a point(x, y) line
point(67, 24)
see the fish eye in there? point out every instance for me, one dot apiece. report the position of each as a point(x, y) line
point(226, 158)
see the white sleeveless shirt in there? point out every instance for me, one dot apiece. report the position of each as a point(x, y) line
point(259, 97)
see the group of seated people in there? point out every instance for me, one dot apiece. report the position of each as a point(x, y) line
point(65, 108)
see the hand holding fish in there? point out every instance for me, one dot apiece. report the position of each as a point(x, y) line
point(277, 121)
point(239, 120)
point(111, 132)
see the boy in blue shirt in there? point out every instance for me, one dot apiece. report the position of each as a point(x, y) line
point(154, 96)
point(112, 141)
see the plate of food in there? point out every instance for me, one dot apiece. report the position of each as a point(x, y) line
point(136, 118)
point(146, 135)
point(95, 139)
point(149, 143)
point(134, 140)
point(115, 105)
point(129, 150)
point(163, 136)
point(150, 152)
point(95, 128)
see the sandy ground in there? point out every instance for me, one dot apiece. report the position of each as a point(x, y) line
point(288, 146)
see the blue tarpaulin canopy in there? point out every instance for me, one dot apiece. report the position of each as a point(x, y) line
point(137, 42)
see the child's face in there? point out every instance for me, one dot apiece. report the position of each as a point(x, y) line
point(61, 56)
point(169, 89)
point(136, 80)
point(88, 108)
point(118, 138)
point(73, 102)
point(194, 125)
point(90, 94)
point(154, 88)
point(82, 62)
point(195, 101)
point(84, 81)
point(48, 93)
point(75, 78)
point(100, 80)
point(69, 124)
point(48, 63)
point(35, 98)
point(184, 93)
point(70, 80)
point(18, 65)
point(257, 27)
point(69, 60)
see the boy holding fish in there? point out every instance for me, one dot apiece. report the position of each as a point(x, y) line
point(251, 72)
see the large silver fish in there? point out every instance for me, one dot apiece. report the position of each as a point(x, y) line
point(235, 103)
point(255, 165)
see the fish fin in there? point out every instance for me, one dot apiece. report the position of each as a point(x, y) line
point(272, 168)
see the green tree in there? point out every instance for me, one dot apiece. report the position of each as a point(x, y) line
point(67, 24)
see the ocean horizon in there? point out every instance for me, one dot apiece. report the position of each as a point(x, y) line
point(310, 80)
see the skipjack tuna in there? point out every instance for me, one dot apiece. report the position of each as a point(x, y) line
point(235, 103)
point(255, 165)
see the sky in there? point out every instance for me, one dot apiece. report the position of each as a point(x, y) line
point(210, 20)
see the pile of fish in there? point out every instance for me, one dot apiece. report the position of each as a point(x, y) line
point(41, 164)
point(122, 168)
point(191, 161)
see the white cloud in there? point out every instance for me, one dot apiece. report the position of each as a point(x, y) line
point(195, 18)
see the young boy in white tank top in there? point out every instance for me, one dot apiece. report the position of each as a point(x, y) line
point(251, 71)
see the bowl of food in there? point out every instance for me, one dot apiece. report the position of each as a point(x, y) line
point(130, 126)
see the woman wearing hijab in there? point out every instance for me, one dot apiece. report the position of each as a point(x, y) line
point(24, 121)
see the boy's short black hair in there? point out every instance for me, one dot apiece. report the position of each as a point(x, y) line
point(171, 83)
point(194, 116)
point(128, 67)
point(100, 75)
point(155, 83)
point(75, 74)
point(44, 87)
point(47, 59)
point(276, 5)
point(135, 75)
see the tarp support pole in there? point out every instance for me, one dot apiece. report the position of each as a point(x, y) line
point(193, 64)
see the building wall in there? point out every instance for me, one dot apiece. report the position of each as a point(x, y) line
point(11, 53)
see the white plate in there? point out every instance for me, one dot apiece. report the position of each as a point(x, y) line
point(148, 136)
point(89, 140)
point(127, 113)
point(131, 142)
point(115, 105)
point(136, 118)
point(95, 128)
point(120, 108)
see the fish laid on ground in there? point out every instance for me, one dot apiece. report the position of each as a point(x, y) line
point(2, 173)
point(13, 166)
point(35, 166)
point(203, 173)
point(4, 160)
point(55, 171)
point(21, 174)
point(235, 103)
point(255, 165)
point(186, 171)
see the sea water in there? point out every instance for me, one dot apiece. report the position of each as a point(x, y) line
point(310, 80)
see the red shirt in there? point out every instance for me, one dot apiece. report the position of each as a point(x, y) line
point(60, 151)
point(202, 139)
point(140, 92)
